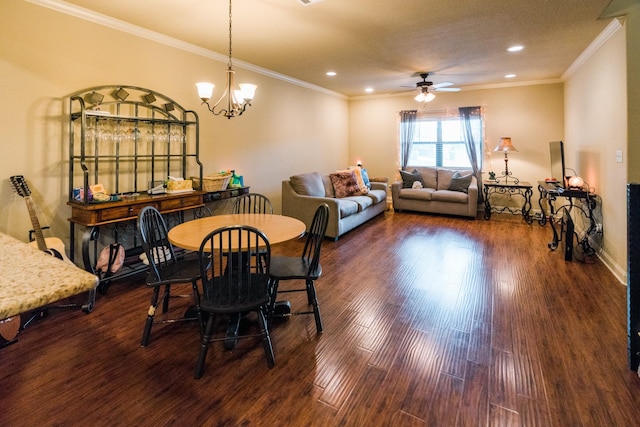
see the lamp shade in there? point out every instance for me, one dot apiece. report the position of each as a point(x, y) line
point(205, 90)
point(505, 145)
point(248, 91)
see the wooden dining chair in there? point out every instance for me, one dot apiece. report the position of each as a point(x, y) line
point(232, 286)
point(305, 267)
point(166, 269)
point(252, 203)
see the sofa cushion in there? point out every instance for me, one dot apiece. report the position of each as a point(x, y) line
point(328, 186)
point(363, 201)
point(347, 207)
point(408, 178)
point(377, 195)
point(417, 194)
point(308, 184)
point(429, 176)
point(345, 184)
point(460, 182)
point(450, 196)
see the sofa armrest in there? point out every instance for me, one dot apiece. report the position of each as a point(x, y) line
point(473, 188)
point(395, 189)
point(473, 196)
point(304, 207)
point(378, 185)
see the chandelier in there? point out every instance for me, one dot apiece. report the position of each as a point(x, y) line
point(237, 100)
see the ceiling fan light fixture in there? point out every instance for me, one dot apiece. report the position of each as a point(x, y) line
point(425, 96)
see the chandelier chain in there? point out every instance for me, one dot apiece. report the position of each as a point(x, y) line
point(230, 65)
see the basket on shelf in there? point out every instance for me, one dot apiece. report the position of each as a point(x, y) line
point(212, 183)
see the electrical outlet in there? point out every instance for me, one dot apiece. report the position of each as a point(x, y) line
point(618, 156)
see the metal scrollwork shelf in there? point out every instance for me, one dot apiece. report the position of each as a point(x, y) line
point(129, 139)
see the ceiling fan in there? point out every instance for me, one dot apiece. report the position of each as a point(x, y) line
point(426, 88)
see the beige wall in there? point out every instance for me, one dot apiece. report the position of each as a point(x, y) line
point(46, 55)
point(531, 115)
point(595, 128)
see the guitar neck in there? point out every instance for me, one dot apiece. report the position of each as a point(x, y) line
point(35, 224)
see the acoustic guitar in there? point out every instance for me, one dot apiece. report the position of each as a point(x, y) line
point(9, 328)
point(51, 245)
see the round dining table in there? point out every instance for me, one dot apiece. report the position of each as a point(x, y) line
point(278, 228)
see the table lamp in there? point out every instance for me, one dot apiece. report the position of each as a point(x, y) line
point(506, 146)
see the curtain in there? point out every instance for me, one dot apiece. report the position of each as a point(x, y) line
point(407, 127)
point(467, 114)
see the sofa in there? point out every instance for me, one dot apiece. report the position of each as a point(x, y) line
point(436, 190)
point(303, 193)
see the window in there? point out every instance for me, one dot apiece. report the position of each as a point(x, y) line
point(438, 141)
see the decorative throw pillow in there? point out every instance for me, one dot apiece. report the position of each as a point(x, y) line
point(460, 183)
point(359, 179)
point(408, 178)
point(365, 177)
point(345, 184)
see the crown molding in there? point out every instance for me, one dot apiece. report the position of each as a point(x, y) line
point(614, 26)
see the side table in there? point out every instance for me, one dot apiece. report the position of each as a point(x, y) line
point(521, 189)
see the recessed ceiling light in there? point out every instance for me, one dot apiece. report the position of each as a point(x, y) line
point(331, 73)
point(509, 76)
point(369, 90)
point(516, 48)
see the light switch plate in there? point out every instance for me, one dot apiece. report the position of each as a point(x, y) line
point(618, 156)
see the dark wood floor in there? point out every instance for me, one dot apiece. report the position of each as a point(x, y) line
point(428, 321)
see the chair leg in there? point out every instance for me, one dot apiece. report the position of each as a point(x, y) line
point(273, 292)
point(150, 316)
point(196, 301)
point(165, 302)
point(204, 347)
point(313, 300)
point(266, 339)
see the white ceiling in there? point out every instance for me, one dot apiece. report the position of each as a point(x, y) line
point(381, 44)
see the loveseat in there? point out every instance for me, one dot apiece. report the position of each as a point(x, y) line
point(302, 194)
point(440, 191)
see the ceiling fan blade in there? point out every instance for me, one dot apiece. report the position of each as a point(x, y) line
point(447, 89)
point(443, 84)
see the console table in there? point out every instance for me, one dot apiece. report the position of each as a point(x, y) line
point(551, 192)
point(91, 216)
point(520, 189)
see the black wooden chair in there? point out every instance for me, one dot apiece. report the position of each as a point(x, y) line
point(232, 286)
point(305, 267)
point(252, 203)
point(166, 269)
